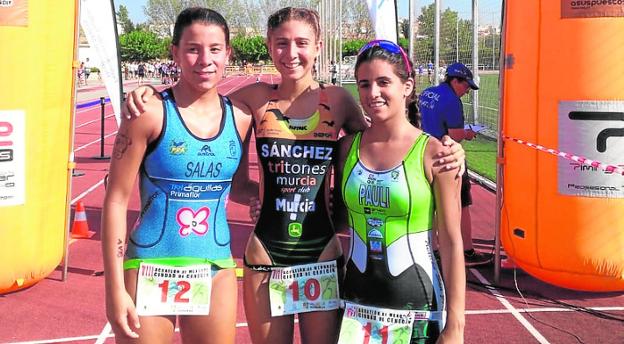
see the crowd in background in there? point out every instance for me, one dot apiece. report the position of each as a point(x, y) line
point(167, 71)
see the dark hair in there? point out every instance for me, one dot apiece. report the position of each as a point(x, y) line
point(308, 16)
point(413, 115)
point(448, 79)
point(199, 14)
point(400, 69)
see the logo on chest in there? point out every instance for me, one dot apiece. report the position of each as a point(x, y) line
point(205, 151)
point(177, 148)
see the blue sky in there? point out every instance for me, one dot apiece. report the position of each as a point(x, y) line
point(489, 9)
point(135, 9)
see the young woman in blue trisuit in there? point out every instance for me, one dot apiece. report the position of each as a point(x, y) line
point(391, 190)
point(186, 148)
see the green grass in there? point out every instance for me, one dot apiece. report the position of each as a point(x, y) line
point(480, 152)
point(352, 88)
point(481, 156)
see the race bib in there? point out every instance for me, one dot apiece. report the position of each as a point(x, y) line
point(304, 288)
point(168, 290)
point(372, 325)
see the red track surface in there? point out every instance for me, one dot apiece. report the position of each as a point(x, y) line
point(53, 311)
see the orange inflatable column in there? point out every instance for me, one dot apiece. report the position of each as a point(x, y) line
point(563, 88)
point(37, 39)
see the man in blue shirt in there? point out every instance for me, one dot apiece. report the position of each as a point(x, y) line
point(442, 114)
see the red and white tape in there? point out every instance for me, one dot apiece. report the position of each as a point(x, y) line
point(581, 160)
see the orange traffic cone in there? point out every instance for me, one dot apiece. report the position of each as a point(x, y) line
point(80, 227)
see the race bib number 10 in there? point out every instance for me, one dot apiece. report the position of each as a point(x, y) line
point(372, 325)
point(304, 288)
point(168, 290)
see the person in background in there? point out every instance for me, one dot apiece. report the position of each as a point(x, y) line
point(442, 114)
point(87, 71)
point(333, 70)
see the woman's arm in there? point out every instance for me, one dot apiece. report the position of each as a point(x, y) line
point(446, 188)
point(243, 188)
point(128, 151)
point(339, 209)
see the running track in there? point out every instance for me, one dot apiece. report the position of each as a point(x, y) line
point(54, 311)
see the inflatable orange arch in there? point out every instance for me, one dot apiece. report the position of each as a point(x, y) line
point(563, 88)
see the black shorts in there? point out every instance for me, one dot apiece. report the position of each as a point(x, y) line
point(466, 197)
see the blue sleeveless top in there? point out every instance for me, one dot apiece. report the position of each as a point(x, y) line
point(184, 182)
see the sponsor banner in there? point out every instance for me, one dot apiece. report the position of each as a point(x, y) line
point(592, 129)
point(13, 12)
point(12, 158)
point(97, 19)
point(383, 17)
point(592, 8)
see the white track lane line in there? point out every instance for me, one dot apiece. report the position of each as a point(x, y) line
point(532, 330)
point(104, 334)
point(95, 120)
point(539, 310)
point(95, 141)
point(82, 195)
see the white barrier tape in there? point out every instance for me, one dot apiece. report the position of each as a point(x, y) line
point(611, 169)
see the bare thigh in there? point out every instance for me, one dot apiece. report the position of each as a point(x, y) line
point(311, 323)
point(262, 327)
point(154, 329)
point(220, 325)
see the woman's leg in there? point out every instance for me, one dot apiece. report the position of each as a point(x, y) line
point(310, 323)
point(154, 329)
point(262, 327)
point(220, 325)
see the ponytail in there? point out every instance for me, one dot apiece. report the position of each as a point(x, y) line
point(413, 115)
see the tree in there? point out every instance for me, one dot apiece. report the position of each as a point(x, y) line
point(162, 14)
point(452, 25)
point(123, 19)
point(251, 49)
point(142, 46)
point(404, 28)
point(352, 47)
point(356, 21)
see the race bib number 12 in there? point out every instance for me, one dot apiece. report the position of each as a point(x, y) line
point(304, 288)
point(372, 325)
point(168, 290)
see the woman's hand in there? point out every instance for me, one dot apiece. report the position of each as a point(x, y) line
point(135, 102)
point(122, 314)
point(451, 337)
point(452, 157)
